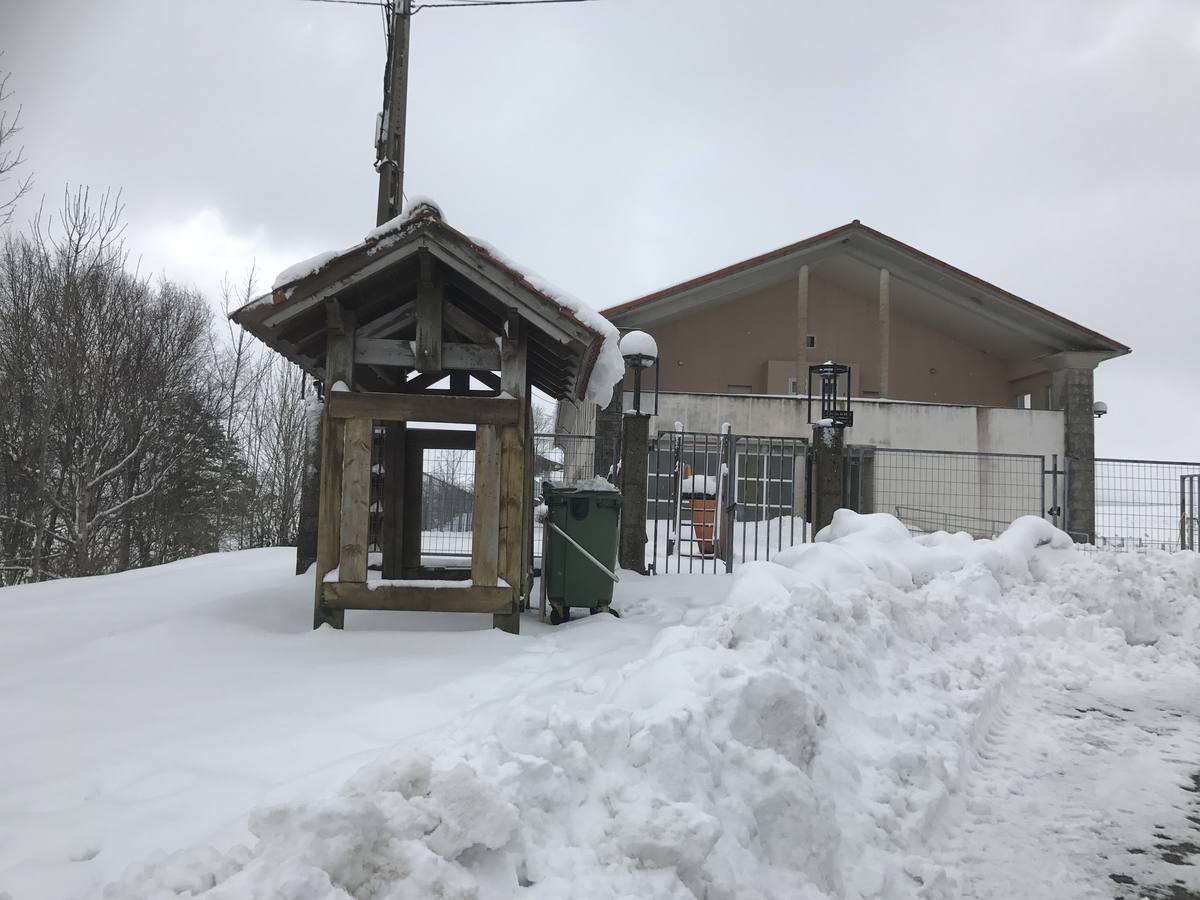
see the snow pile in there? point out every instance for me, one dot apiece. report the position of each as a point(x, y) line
point(598, 483)
point(797, 732)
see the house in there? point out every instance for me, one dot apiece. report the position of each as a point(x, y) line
point(941, 359)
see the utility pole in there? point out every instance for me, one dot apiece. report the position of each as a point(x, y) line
point(389, 143)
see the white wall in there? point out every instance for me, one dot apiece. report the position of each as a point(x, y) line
point(877, 423)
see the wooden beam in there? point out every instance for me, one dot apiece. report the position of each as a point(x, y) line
point(418, 408)
point(441, 439)
point(485, 521)
point(491, 379)
point(339, 366)
point(356, 500)
point(456, 597)
point(390, 322)
point(395, 438)
point(430, 298)
point(387, 352)
point(467, 325)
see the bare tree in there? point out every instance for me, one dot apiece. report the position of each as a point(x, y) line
point(11, 157)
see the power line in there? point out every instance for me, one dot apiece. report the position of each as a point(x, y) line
point(381, 4)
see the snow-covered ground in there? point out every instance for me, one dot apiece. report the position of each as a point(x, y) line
point(869, 715)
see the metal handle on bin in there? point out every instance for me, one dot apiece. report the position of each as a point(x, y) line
point(574, 543)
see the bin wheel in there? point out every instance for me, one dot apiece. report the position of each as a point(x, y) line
point(555, 617)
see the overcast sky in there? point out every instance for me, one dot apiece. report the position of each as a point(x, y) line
point(1051, 147)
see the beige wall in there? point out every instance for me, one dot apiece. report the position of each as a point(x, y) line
point(751, 341)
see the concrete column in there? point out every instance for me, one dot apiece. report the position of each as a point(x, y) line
point(885, 332)
point(802, 330)
point(828, 473)
point(608, 433)
point(635, 447)
point(1071, 390)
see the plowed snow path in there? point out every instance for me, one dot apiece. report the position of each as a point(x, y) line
point(1079, 794)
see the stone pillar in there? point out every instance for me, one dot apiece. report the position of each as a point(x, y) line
point(608, 433)
point(635, 447)
point(1072, 392)
point(885, 333)
point(828, 473)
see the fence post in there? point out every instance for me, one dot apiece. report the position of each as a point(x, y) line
point(635, 449)
point(829, 464)
point(1055, 511)
point(730, 511)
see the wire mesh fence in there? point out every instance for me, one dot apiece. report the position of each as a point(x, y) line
point(1189, 512)
point(1144, 504)
point(448, 490)
point(560, 459)
point(930, 490)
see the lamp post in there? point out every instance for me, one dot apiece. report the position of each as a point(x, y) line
point(828, 469)
point(640, 352)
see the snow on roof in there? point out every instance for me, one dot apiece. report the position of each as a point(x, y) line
point(609, 367)
point(418, 208)
point(304, 268)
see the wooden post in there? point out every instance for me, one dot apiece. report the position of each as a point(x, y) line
point(410, 526)
point(356, 500)
point(429, 318)
point(514, 479)
point(339, 366)
point(394, 440)
point(485, 521)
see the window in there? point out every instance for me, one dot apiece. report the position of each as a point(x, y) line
point(792, 385)
point(811, 342)
point(1024, 401)
point(740, 388)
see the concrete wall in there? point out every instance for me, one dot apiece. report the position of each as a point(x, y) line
point(749, 342)
point(877, 423)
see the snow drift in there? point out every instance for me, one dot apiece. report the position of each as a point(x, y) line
point(793, 732)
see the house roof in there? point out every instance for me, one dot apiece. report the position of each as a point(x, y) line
point(973, 297)
point(377, 281)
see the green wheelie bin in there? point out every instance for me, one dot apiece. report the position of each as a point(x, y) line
point(590, 519)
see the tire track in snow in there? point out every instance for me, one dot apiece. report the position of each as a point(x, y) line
point(1076, 794)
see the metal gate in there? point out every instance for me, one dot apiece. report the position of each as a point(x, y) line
point(1189, 512)
point(713, 500)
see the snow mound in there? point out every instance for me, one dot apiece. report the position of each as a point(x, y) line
point(797, 732)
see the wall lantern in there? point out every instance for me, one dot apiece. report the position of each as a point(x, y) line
point(1099, 408)
point(832, 409)
point(640, 352)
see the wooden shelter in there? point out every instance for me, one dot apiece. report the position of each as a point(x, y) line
point(420, 324)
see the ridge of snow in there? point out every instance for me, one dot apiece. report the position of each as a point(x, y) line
point(304, 268)
point(813, 727)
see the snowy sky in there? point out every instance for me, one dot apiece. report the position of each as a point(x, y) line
point(621, 145)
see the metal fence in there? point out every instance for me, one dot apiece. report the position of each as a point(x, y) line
point(1189, 512)
point(448, 490)
point(717, 499)
point(560, 459)
point(1144, 504)
point(934, 490)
